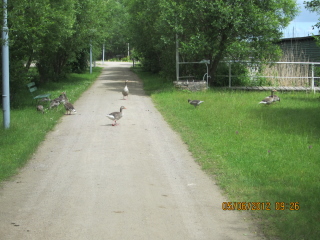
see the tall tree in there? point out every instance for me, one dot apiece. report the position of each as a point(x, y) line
point(144, 15)
point(53, 34)
point(213, 30)
point(77, 24)
point(28, 23)
point(117, 33)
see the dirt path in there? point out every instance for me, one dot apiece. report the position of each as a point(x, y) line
point(89, 180)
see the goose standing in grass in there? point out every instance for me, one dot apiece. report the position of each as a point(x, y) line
point(68, 106)
point(275, 97)
point(115, 116)
point(40, 108)
point(46, 99)
point(63, 95)
point(56, 102)
point(270, 99)
point(125, 91)
point(195, 103)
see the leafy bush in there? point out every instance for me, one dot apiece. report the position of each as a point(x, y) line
point(239, 73)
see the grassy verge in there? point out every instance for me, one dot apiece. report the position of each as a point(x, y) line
point(257, 153)
point(29, 127)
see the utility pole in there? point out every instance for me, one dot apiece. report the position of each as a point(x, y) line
point(5, 69)
point(103, 49)
point(128, 51)
point(90, 56)
point(177, 57)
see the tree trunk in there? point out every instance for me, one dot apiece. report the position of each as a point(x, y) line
point(215, 60)
point(28, 64)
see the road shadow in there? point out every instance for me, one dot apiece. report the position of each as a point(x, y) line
point(114, 79)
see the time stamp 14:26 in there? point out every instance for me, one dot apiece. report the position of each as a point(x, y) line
point(258, 206)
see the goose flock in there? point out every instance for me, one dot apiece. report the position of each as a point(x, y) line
point(65, 101)
point(267, 100)
point(116, 116)
point(56, 102)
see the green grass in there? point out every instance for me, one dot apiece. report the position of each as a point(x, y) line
point(29, 127)
point(257, 153)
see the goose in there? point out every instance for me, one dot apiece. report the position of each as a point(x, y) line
point(195, 103)
point(40, 108)
point(56, 102)
point(46, 99)
point(270, 99)
point(125, 91)
point(68, 106)
point(115, 116)
point(275, 97)
point(63, 96)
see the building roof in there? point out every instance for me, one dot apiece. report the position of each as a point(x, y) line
point(299, 38)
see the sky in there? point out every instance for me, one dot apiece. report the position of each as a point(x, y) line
point(301, 26)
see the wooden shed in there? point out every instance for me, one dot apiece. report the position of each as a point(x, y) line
point(304, 49)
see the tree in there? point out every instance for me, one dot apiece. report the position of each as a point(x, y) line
point(54, 34)
point(117, 33)
point(143, 17)
point(77, 24)
point(213, 30)
point(27, 21)
point(314, 6)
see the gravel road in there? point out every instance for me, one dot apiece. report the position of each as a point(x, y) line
point(137, 180)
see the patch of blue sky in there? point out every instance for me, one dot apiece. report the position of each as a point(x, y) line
point(302, 25)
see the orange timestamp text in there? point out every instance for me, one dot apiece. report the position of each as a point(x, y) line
point(258, 206)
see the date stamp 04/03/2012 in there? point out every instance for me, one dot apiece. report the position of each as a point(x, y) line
point(261, 206)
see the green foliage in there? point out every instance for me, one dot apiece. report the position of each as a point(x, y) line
point(212, 30)
point(80, 64)
point(153, 82)
point(125, 59)
point(314, 6)
point(55, 35)
point(256, 153)
point(240, 74)
point(117, 32)
point(142, 19)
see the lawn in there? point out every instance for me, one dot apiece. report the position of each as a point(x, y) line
point(267, 154)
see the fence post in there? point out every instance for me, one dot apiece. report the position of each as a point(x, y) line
point(229, 74)
point(5, 69)
point(90, 57)
point(312, 78)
